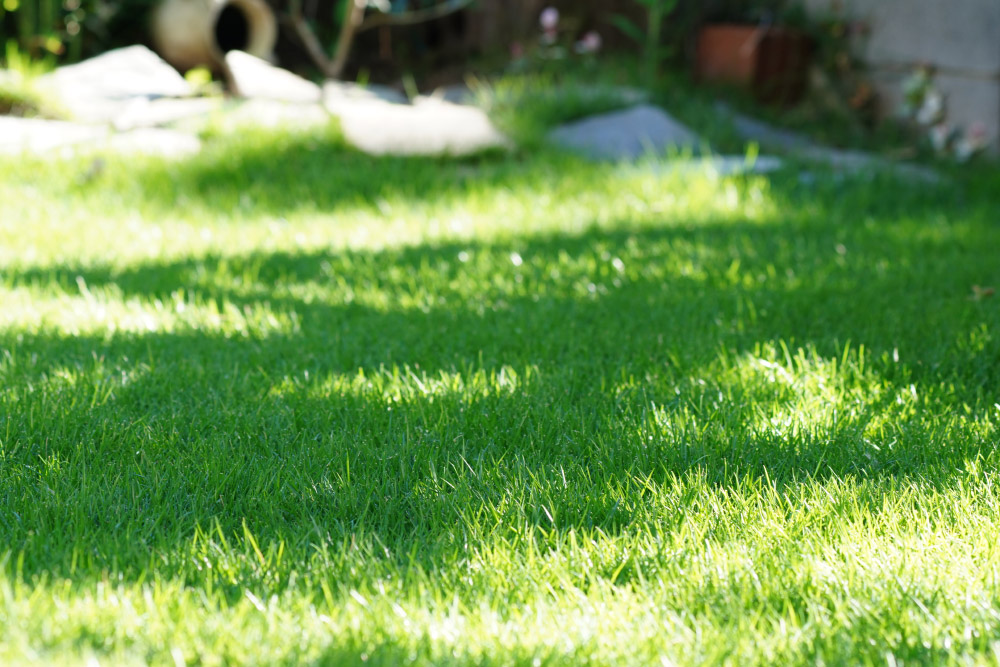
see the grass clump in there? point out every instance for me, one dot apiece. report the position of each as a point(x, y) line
point(18, 98)
point(19, 92)
point(528, 105)
point(284, 403)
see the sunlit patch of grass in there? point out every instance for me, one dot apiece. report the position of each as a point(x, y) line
point(319, 195)
point(107, 312)
point(286, 403)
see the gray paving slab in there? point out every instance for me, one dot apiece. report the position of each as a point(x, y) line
point(763, 133)
point(793, 143)
point(721, 165)
point(624, 135)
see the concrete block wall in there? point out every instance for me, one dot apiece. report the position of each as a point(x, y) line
point(959, 38)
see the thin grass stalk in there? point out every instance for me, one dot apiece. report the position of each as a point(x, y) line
point(47, 10)
point(652, 51)
point(27, 24)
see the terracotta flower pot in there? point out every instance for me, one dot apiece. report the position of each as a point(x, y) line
point(772, 62)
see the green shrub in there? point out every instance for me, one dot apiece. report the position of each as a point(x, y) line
point(73, 29)
point(18, 94)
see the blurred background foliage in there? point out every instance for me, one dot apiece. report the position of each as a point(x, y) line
point(488, 36)
point(69, 30)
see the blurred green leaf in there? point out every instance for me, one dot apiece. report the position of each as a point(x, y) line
point(628, 27)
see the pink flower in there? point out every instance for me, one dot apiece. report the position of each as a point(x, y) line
point(591, 42)
point(549, 19)
point(977, 133)
point(974, 140)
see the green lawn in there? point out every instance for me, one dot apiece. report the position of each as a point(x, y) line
point(284, 403)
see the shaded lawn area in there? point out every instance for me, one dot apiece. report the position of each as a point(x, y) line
point(285, 403)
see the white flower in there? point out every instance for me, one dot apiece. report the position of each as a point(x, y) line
point(549, 19)
point(932, 110)
point(940, 135)
point(973, 141)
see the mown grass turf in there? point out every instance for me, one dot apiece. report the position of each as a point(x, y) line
point(284, 403)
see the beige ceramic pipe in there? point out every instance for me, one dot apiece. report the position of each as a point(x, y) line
point(193, 33)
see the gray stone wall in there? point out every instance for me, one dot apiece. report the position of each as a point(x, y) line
point(959, 38)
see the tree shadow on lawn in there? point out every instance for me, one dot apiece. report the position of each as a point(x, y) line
point(280, 173)
point(510, 394)
point(682, 293)
point(284, 173)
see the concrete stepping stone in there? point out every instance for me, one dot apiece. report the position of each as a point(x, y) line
point(254, 78)
point(55, 138)
point(38, 136)
point(338, 93)
point(155, 141)
point(625, 135)
point(144, 112)
point(98, 90)
point(427, 127)
point(275, 114)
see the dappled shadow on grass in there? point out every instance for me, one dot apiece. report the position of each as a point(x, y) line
point(650, 352)
point(423, 382)
point(745, 283)
point(635, 294)
point(278, 173)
